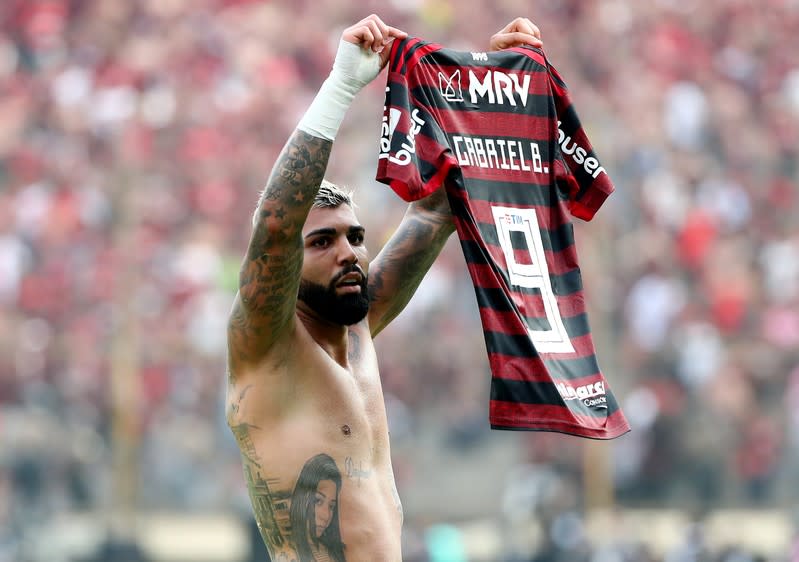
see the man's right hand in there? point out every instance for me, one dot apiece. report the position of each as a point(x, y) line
point(372, 34)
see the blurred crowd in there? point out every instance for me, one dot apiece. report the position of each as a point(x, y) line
point(136, 136)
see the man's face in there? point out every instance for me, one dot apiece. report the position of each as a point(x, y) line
point(335, 266)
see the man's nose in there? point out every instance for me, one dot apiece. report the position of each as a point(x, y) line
point(347, 253)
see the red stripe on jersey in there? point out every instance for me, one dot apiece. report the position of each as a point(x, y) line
point(411, 188)
point(497, 124)
point(589, 204)
point(569, 306)
point(421, 52)
point(528, 369)
point(484, 276)
point(537, 56)
point(502, 322)
point(556, 418)
point(438, 179)
point(408, 183)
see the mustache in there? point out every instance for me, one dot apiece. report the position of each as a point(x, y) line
point(354, 268)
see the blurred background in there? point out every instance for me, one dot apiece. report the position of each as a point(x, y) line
point(134, 139)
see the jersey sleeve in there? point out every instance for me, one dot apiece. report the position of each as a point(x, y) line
point(578, 170)
point(414, 158)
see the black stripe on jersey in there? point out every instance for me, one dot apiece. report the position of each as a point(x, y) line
point(576, 326)
point(496, 299)
point(509, 390)
point(538, 105)
point(569, 121)
point(397, 48)
point(567, 369)
point(426, 168)
point(449, 57)
point(508, 60)
point(525, 392)
point(499, 60)
point(409, 54)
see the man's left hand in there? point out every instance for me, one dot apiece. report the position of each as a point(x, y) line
point(520, 31)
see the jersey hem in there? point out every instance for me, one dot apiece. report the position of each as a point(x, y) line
point(565, 428)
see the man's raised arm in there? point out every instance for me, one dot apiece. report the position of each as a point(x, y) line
point(270, 273)
point(396, 272)
point(269, 278)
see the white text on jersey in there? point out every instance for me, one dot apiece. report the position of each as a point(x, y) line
point(578, 154)
point(408, 147)
point(592, 395)
point(496, 87)
point(498, 154)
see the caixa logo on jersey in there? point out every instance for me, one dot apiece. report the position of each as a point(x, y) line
point(407, 148)
point(591, 395)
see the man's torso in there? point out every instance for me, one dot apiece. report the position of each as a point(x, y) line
point(314, 434)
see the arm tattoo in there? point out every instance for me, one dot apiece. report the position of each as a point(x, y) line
point(403, 263)
point(270, 274)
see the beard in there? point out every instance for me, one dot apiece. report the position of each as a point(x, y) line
point(346, 309)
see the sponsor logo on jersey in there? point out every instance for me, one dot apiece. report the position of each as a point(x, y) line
point(391, 118)
point(480, 57)
point(497, 87)
point(592, 395)
point(578, 154)
point(450, 86)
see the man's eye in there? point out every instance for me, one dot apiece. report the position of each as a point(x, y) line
point(356, 239)
point(321, 242)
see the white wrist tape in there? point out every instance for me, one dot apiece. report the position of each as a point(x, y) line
point(353, 68)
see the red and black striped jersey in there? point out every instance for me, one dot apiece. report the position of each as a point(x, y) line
point(499, 132)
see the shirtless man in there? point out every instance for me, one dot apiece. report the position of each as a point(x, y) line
point(304, 399)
